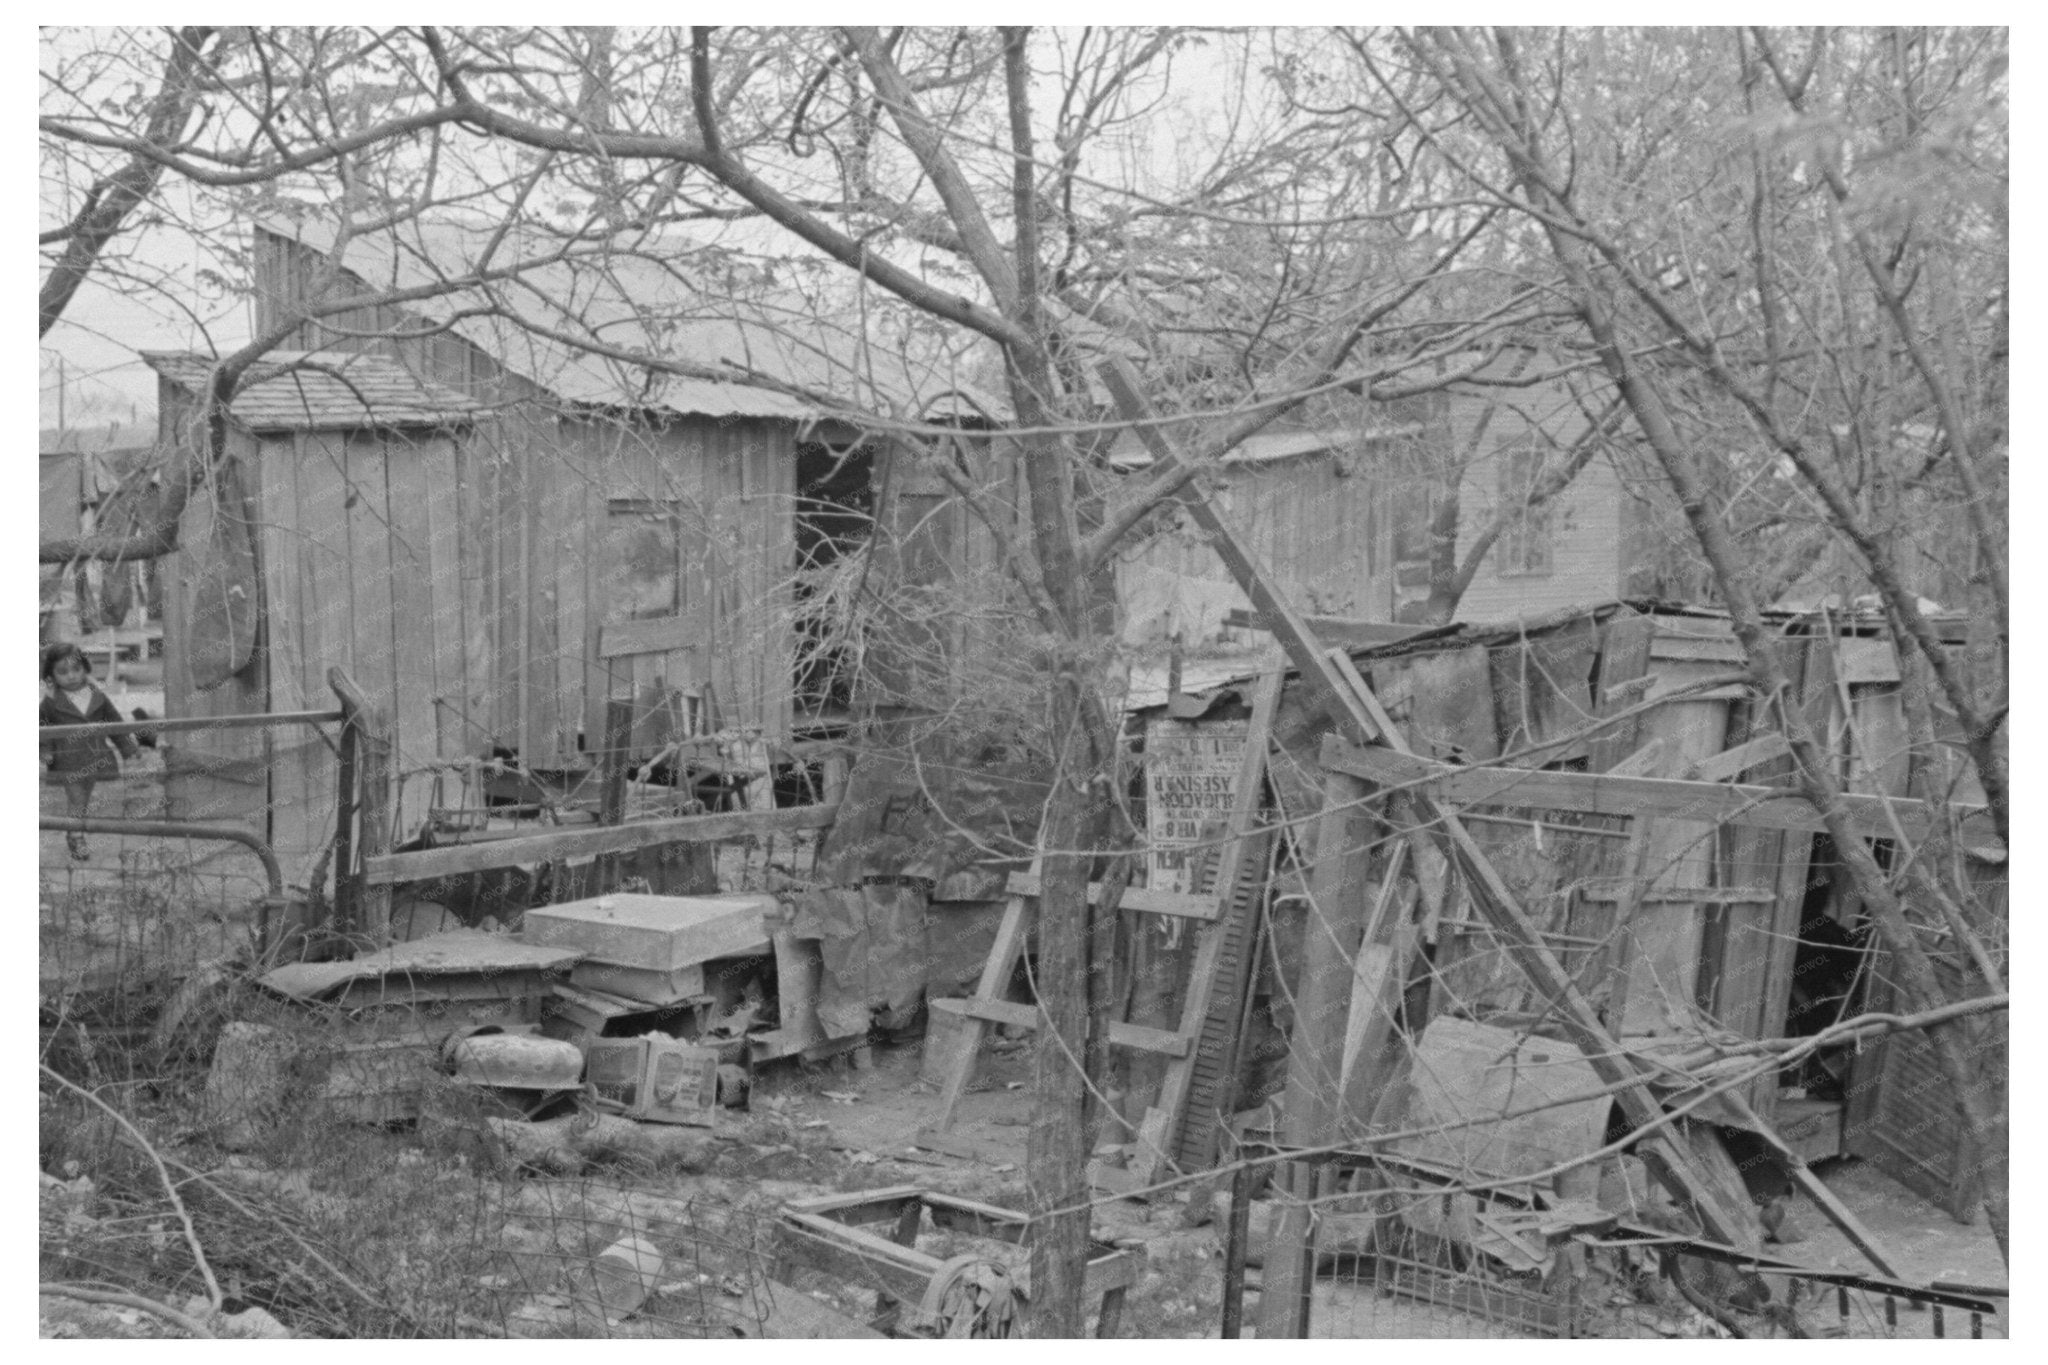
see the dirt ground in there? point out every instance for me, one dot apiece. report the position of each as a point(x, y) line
point(873, 1117)
point(818, 1128)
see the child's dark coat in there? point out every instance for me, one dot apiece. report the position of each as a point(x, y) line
point(84, 757)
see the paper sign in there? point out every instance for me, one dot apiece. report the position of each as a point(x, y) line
point(1190, 783)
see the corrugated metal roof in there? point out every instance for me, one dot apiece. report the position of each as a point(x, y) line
point(1128, 452)
point(581, 327)
point(322, 391)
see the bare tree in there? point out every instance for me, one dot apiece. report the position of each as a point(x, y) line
point(921, 164)
point(1812, 305)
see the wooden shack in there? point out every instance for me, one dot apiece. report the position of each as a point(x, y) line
point(1340, 516)
point(499, 531)
point(1558, 740)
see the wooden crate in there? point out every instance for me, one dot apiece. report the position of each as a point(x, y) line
point(830, 1234)
point(657, 933)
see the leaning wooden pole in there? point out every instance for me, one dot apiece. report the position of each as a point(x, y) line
point(1351, 705)
point(371, 901)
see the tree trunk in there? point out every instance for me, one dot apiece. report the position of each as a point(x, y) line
point(1951, 1041)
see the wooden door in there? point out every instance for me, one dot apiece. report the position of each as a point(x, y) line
point(651, 648)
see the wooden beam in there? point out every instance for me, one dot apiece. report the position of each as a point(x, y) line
point(1337, 630)
point(1134, 898)
point(1330, 947)
point(589, 841)
point(1143, 1039)
point(1735, 762)
point(1357, 712)
point(1014, 1013)
point(1796, 1169)
point(655, 635)
point(1622, 890)
point(1721, 803)
point(1304, 650)
point(1668, 1157)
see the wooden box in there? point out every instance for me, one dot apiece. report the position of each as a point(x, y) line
point(831, 1234)
point(654, 1079)
point(639, 983)
point(656, 933)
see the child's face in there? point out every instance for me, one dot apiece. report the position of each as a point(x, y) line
point(69, 673)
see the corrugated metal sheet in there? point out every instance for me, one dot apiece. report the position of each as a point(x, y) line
point(1128, 452)
point(322, 391)
point(583, 326)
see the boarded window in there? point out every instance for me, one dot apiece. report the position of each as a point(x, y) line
point(642, 558)
point(1525, 546)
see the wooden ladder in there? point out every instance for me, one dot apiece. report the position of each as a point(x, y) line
point(1202, 1052)
point(987, 1005)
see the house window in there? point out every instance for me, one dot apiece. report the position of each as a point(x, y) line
point(641, 560)
point(1526, 541)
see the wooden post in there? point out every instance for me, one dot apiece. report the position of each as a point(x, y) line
point(347, 875)
point(618, 739)
point(1315, 1061)
point(1236, 1242)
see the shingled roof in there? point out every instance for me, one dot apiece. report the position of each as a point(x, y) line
point(323, 391)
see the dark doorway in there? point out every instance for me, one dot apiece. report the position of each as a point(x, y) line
point(834, 523)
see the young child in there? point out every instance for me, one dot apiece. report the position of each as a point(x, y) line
point(78, 763)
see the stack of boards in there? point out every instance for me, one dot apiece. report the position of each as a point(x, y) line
point(642, 954)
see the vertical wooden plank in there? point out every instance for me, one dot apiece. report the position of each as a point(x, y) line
point(415, 629)
point(1624, 658)
point(1316, 1050)
point(295, 833)
point(368, 519)
point(574, 637)
point(1662, 938)
point(1880, 751)
point(448, 635)
point(469, 561)
point(541, 711)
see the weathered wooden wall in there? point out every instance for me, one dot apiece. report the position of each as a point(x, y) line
point(1315, 522)
point(944, 607)
point(536, 489)
point(1589, 520)
point(726, 491)
point(213, 775)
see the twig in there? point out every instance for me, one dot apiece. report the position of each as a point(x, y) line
point(213, 1293)
point(215, 1185)
point(118, 1299)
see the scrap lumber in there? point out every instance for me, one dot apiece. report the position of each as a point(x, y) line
point(1795, 1168)
point(1339, 630)
point(590, 841)
point(1202, 1051)
point(1331, 946)
point(1352, 705)
point(1727, 803)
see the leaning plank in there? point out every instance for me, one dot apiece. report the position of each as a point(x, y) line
point(1795, 1168)
point(1012, 1012)
point(1667, 798)
point(1137, 898)
point(1339, 630)
point(1354, 708)
point(586, 842)
point(1739, 760)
